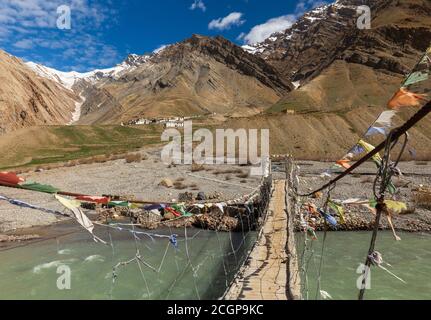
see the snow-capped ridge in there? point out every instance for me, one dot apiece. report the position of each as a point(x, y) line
point(308, 19)
point(68, 79)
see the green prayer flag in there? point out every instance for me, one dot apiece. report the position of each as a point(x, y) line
point(29, 185)
point(124, 204)
point(416, 77)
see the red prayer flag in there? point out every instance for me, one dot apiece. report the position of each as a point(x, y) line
point(10, 178)
point(101, 200)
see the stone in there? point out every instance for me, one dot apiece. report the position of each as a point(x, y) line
point(167, 183)
point(185, 197)
point(169, 216)
point(201, 196)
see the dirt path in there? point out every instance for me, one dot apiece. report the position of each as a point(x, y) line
point(264, 276)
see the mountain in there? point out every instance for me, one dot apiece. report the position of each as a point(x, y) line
point(27, 99)
point(345, 75)
point(198, 76)
point(316, 85)
point(69, 79)
point(341, 67)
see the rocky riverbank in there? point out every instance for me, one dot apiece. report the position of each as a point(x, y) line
point(416, 177)
point(150, 180)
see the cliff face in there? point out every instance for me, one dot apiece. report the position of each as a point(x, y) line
point(27, 99)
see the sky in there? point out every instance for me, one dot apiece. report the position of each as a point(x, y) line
point(101, 33)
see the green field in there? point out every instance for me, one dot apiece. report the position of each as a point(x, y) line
point(54, 144)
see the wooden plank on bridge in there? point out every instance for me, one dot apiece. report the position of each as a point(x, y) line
point(264, 275)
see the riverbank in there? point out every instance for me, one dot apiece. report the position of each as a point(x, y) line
point(149, 179)
point(360, 184)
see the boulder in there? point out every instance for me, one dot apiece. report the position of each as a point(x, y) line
point(167, 183)
point(169, 216)
point(201, 196)
point(185, 197)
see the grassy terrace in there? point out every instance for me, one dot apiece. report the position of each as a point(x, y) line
point(56, 144)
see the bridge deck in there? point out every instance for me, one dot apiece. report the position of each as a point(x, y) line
point(264, 276)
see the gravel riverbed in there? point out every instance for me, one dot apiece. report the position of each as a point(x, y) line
point(135, 180)
point(360, 185)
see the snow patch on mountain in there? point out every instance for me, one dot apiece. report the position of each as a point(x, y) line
point(76, 115)
point(68, 79)
point(303, 23)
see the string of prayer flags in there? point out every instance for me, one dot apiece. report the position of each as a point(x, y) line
point(23, 204)
point(330, 219)
point(369, 148)
point(337, 209)
point(404, 98)
point(75, 207)
point(412, 93)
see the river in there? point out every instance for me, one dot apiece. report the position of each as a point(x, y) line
point(409, 259)
point(200, 270)
point(30, 271)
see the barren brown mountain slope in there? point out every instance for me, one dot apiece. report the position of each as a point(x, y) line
point(348, 76)
point(27, 99)
point(364, 67)
point(327, 136)
point(198, 76)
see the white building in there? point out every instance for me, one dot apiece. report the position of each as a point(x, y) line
point(174, 124)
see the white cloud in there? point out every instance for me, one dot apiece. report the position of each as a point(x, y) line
point(262, 31)
point(198, 4)
point(233, 19)
point(33, 26)
point(24, 44)
point(305, 5)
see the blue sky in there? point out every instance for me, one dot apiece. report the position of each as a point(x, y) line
point(103, 32)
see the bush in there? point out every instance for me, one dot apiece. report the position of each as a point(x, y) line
point(243, 175)
point(179, 185)
point(136, 157)
point(422, 198)
point(197, 167)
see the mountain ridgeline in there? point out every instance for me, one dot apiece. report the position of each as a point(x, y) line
point(305, 83)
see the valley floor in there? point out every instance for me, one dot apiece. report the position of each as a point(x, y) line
point(139, 179)
point(223, 182)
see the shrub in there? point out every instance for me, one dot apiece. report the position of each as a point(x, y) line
point(136, 157)
point(197, 167)
point(243, 175)
point(179, 185)
point(422, 198)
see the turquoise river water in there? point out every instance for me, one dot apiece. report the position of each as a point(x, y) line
point(409, 259)
point(30, 272)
